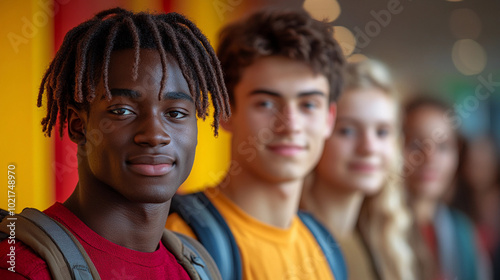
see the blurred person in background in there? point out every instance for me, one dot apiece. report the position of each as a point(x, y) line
point(431, 153)
point(478, 188)
point(355, 190)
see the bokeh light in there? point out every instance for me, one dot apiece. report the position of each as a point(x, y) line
point(345, 38)
point(356, 58)
point(328, 10)
point(469, 57)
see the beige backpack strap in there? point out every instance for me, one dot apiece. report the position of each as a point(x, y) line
point(188, 253)
point(31, 228)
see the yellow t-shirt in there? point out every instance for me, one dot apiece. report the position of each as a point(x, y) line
point(267, 252)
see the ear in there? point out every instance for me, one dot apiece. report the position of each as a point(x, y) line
point(331, 117)
point(227, 124)
point(76, 125)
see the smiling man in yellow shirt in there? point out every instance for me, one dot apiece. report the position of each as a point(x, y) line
point(283, 75)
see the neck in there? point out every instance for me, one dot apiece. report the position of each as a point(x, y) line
point(424, 210)
point(134, 225)
point(337, 208)
point(272, 203)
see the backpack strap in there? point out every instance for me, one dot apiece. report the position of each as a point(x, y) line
point(191, 255)
point(64, 255)
point(3, 214)
point(328, 245)
point(211, 230)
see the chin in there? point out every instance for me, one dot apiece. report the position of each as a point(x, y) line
point(285, 176)
point(153, 194)
point(369, 186)
point(425, 191)
point(372, 190)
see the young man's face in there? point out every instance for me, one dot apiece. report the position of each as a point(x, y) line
point(281, 119)
point(141, 146)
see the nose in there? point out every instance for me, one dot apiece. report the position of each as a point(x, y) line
point(429, 155)
point(367, 143)
point(287, 120)
point(152, 132)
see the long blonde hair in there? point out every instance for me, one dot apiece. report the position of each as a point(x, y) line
point(384, 220)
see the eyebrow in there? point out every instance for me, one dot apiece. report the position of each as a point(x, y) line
point(124, 92)
point(177, 95)
point(135, 94)
point(276, 94)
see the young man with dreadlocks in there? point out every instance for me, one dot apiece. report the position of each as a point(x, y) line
point(283, 74)
point(137, 81)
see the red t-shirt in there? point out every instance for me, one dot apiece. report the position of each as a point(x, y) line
point(111, 260)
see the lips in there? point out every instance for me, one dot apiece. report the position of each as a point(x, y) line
point(151, 165)
point(286, 149)
point(363, 167)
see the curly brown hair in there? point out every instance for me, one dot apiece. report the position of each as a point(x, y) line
point(289, 33)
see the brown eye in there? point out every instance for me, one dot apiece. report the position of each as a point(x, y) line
point(176, 115)
point(121, 111)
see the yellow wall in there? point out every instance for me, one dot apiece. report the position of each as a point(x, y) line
point(212, 154)
point(26, 47)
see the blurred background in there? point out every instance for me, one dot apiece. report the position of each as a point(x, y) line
point(445, 48)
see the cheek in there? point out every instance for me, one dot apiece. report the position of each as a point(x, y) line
point(389, 152)
point(250, 122)
point(318, 124)
point(187, 138)
point(255, 129)
point(449, 163)
point(336, 151)
point(257, 124)
point(316, 132)
point(102, 144)
point(104, 158)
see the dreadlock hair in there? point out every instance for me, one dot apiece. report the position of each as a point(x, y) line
point(84, 58)
point(289, 33)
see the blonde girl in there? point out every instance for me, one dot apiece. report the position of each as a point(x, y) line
point(356, 190)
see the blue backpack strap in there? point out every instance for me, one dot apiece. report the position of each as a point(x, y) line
point(328, 245)
point(197, 260)
point(211, 230)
